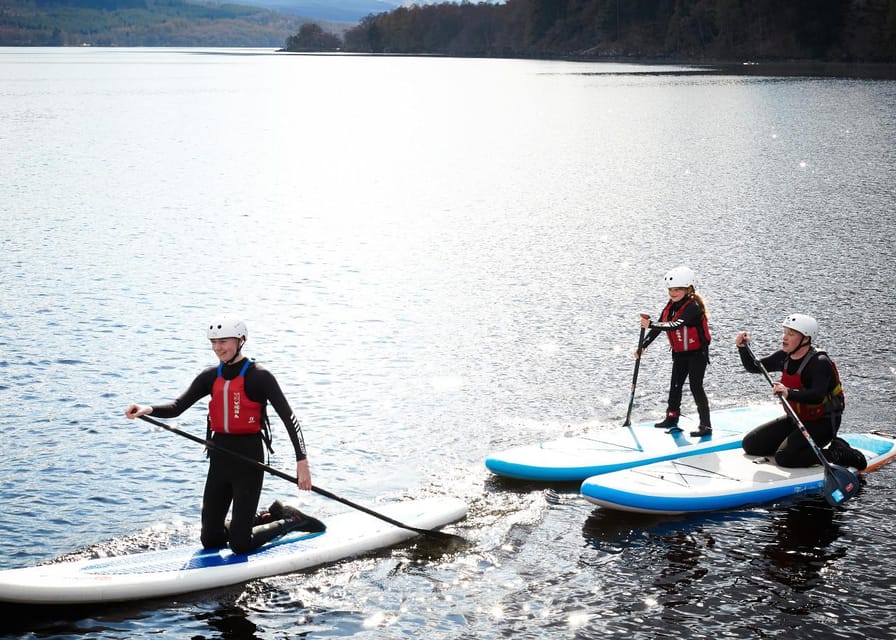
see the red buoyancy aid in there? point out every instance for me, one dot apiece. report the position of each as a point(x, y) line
point(230, 410)
point(686, 338)
point(834, 400)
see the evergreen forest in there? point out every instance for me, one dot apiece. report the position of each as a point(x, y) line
point(718, 30)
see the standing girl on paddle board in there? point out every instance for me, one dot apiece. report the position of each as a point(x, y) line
point(684, 320)
point(237, 421)
point(811, 384)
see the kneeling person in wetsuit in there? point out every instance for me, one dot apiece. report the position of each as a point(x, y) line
point(811, 384)
point(237, 421)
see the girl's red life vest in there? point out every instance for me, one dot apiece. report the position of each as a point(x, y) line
point(230, 410)
point(686, 338)
point(833, 402)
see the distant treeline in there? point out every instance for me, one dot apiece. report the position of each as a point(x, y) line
point(141, 23)
point(829, 30)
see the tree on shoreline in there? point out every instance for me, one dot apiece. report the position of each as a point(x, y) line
point(822, 30)
point(311, 37)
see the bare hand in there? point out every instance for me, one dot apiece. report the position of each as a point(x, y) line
point(741, 338)
point(303, 472)
point(136, 410)
point(780, 390)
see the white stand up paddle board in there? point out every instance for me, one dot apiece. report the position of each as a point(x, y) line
point(190, 568)
point(574, 459)
point(720, 480)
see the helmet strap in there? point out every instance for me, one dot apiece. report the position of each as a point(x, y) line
point(804, 342)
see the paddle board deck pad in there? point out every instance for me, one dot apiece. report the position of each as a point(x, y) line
point(190, 568)
point(574, 459)
point(720, 480)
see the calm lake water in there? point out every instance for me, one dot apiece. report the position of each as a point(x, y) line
point(438, 258)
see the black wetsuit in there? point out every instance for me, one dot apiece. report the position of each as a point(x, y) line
point(230, 480)
point(781, 438)
point(686, 365)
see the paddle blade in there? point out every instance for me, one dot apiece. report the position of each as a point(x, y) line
point(840, 484)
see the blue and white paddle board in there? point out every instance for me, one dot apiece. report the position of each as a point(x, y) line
point(720, 480)
point(603, 451)
point(184, 569)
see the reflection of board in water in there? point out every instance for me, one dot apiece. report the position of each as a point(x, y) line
point(801, 549)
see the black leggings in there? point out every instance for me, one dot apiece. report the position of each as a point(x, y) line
point(782, 440)
point(233, 481)
point(691, 366)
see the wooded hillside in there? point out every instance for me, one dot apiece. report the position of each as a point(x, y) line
point(141, 23)
point(830, 30)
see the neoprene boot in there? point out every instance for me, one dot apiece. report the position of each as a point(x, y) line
point(301, 521)
point(670, 421)
point(266, 532)
point(705, 428)
point(840, 452)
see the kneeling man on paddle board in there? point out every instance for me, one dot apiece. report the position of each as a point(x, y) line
point(810, 383)
point(240, 390)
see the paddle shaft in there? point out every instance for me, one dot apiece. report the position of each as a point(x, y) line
point(280, 474)
point(631, 398)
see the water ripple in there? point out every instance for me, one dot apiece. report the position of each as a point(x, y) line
point(433, 279)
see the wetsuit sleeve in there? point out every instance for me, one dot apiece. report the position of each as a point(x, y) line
point(270, 390)
point(650, 337)
point(198, 389)
point(690, 317)
point(816, 379)
point(774, 362)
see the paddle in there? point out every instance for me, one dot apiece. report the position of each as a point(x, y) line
point(631, 399)
point(840, 484)
point(280, 474)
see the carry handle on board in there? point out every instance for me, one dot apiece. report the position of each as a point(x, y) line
point(840, 484)
point(293, 480)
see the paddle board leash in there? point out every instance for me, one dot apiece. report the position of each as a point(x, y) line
point(840, 483)
point(280, 474)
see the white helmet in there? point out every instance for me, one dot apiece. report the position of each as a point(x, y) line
point(679, 277)
point(802, 323)
point(227, 328)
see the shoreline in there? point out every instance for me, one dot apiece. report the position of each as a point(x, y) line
point(779, 68)
point(790, 69)
point(773, 68)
